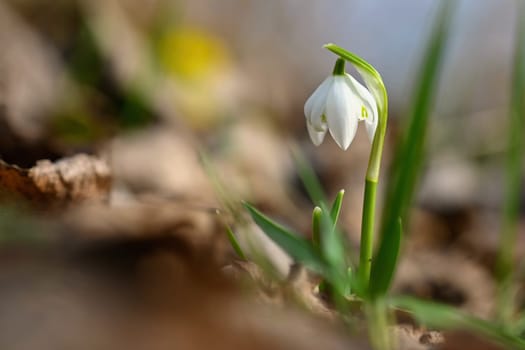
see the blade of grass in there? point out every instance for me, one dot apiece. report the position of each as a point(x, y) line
point(235, 244)
point(330, 242)
point(514, 165)
point(336, 206)
point(334, 253)
point(308, 177)
point(386, 258)
point(316, 226)
point(298, 248)
point(409, 153)
point(332, 245)
point(448, 317)
point(227, 199)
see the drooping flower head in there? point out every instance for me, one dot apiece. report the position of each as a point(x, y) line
point(337, 106)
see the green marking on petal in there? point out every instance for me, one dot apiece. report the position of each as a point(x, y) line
point(323, 118)
point(364, 112)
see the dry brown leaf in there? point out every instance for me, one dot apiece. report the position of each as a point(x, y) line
point(198, 226)
point(74, 179)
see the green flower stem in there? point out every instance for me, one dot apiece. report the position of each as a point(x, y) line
point(367, 233)
point(377, 313)
point(376, 86)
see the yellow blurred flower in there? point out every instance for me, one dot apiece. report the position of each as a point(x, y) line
point(192, 54)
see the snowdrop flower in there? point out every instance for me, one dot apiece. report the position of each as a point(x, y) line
point(337, 105)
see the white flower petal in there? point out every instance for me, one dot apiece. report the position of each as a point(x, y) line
point(317, 137)
point(341, 113)
point(373, 86)
point(315, 105)
point(363, 93)
point(368, 102)
point(371, 130)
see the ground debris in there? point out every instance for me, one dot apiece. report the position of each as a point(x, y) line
point(457, 340)
point(427, 275)
point(75, 179)
point(143, 295)
point(410, 337)
point(195, 226)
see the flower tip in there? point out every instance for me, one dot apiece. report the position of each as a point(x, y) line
point(343, 142)
point(317, 137)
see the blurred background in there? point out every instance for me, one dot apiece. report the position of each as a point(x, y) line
point(151, 86)
point(75, 74)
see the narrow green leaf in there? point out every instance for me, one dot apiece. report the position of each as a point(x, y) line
point(448, 317)
point(385, 263)
point(514, 166)
point(336, 206)
point(409, 154)
point(332, 245)
point(333, 252)
point(308, 177)
point(235, 244)
point(316, 226)
point(349, 278)
point(298, 248)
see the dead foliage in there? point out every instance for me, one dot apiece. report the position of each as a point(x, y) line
point(75, 179)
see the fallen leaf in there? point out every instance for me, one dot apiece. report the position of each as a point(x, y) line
point(75, 179)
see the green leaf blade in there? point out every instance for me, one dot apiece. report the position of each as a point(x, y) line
point(235, 244)
point(505, 269)
point(298, 248)
point(385, 262)
point(309, 178)
point(447, 317)
point(316, 226)
point(336, 206)
point(409, 154)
